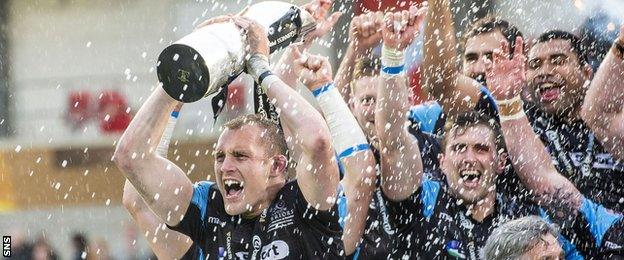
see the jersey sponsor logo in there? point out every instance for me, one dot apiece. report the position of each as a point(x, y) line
point(384, 214)
point(214, 220)
point(257, 243)
point(277, 249)
point(281, 216)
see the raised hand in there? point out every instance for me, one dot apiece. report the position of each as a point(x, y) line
point(505, 75)
point(313, 70)
point(400, 28)
point(365, 31)
point(319, 10)
point(255, 36)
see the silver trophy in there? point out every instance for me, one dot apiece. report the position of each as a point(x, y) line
point(202, 62)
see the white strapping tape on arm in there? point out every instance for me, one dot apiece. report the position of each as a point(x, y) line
point(163, 146)
point(347, 136)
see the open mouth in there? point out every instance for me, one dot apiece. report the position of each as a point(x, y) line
point(548, 91)
point(233, 188)
point(470, 178)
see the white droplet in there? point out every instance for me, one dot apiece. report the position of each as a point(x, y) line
point(64, 163)
point(107, 202)
point(88, 45)
point(18, 148)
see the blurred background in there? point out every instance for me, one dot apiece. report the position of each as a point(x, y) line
point(74, 72)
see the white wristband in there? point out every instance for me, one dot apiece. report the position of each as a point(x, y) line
point(508, 101)
point(347, 136)
point(515, 116)
point(392, 57)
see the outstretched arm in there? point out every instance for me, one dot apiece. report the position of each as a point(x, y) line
point(319, 179)
point(603, 109)
point(443, 79)
point(401, 163)
point(528, 154)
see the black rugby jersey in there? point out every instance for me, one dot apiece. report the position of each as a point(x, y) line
point(288, 229)
point(432, 224)
point(378, 237)
point(582, 159)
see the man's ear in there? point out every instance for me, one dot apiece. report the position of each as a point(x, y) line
point(501, 162)
point(279, 165)
point(588, 72)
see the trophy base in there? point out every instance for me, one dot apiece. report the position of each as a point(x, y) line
point(183, 73)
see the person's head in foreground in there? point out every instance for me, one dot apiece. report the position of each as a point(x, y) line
point(524, 238)
point(472, 156)
point(250, 164)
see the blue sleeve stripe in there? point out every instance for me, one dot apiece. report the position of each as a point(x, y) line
point(488, 95)
point(200, 252)
point(201, 191)
point(323, 89)
point(342, 206)
point(352, 150)
point(599, 218)
point(426, 115)
point(357, 252)
point(429, 196)
point(175, 114)
point(392, 70)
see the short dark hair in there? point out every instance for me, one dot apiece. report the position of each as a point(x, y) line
point(472, 118)
point(365, 67)
point(575, 42)
point(490, 24)
point(273, 136)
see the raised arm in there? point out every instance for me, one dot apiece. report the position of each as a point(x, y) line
point(443, 78)
point(319, 179)
point(364, 35)
point(401, 163)
point(351, 146)
point(603, 109)
point(166, 243)
point(162, 185)
point(530, 159)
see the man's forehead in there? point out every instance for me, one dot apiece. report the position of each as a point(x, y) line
point(547, 48)
point(477, 134)
point(244, 136)
point(484, 42)
point(366, 84)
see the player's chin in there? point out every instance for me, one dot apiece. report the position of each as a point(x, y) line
point(234, 208)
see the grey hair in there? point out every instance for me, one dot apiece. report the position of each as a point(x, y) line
point(516, 237)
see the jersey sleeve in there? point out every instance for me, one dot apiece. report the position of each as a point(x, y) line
point(194, 222)
point(598, 229)
point(424, 116)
